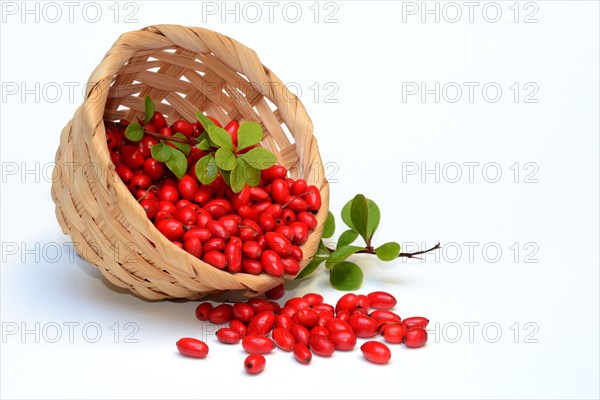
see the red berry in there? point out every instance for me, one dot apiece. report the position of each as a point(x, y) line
point(221, 314)
point(132, 156)
point(154, 169)
point(241, 199)
point(214, 244)
point(393, 333)
point(280, 191)
point(233, 252)
point(348, 302)
point(382, 300)
point(415, 337)
point(193, 246)
point(283, 321)
point(313, 298)
point(216, 259)
point(187, 187)
point(252, 249)
point(171, 229)
point(243, 312)
point(416, 322)
point(232, 127)
point(376, 352)
point(301, 233)
point(271, 263)
point(203, 310)
point(257, 344)
point(363, 302)
point(290, 266)
point(257, 194)
point(273, 172)
point(336, 324)
point(217, 230)
point(191, 347)
point(255, 363)
point(266, 222)
point(168, 193)
point(298, 187)
point(150, 207)
point(343, 340)
point(184, 127)
point(145, 145)
point(297, 302)
point(309, 219)
point(202, 234)
point(379, 315)
point(313, 198)
point(228, 336)
point(321, 345)
point(296, 204)
point(363, 326)
point(238, 326)
point(276, 293)
point(302, 353)
point(253, 267)
point(288, 216)
point(300, 333)
point(158, 120)
point(307, 317)
point(187, 215)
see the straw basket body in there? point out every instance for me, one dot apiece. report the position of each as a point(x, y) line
point(183, 70)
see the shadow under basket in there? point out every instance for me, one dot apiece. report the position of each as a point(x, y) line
point(184, 70)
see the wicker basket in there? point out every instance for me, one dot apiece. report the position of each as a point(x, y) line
point(183, 70)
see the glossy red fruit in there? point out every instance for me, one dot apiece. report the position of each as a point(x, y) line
point(232, 127)
point(115, 158)
point(290, 266)
point(280, 191)
point(283, 321)
point(217, 230)
point(215, 210)
point(253, 267)
point(203, 218)
point(191, 347)
point(183, 126)
point(415, 337)
point(213, 119)
point(112, 141)
point(259, 305)
point(202, 195)
point(168, 193)
point(132, 156)
point(187, 215)
point(313, 298)
point(300, 333)
point(275, 210)
point(297, 253)
point(258, 194)
point(262, 323)
point(150, 207)
point(343, 340)
point(243, 312)
point(271, 263)
point(336, 324)
point(308, 219)
point(228, 336)
point(139, 182)
point(145, 145)
point(416, 322)
point(199, 233)
point(193, 246)
point(393, 333)
point(124, 173)
point(295, 203)
point(302, 353)
point(171, 229)
point(380, 315)
point(283, 339)
point(154, 169)
point(187, 187)
point(363, 326)
point(348, 302)
point(324, 317)
point(233, 252)
point(213, 244)
point(257, 344)
point(248, 213)
point(307, 317)
point(376, 352)
point(321, 345)
point(203, 310)
point(166, 131)
point(363, 302)
point(313, 198)
point(276, 293)
point(273, 172)
point(301, 233)
point(343, 315)
point(297, 302)
point(298, 187)
point(323, 307)
point(382, 300)
point(158, 120)
point(216, 259)
point(255, 363)
point(288, 216)
point(221, 314)
point(252, 249)
point(239, 327)
point(241, 199)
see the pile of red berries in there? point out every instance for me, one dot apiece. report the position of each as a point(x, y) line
point(306, 326)
point(256, 230)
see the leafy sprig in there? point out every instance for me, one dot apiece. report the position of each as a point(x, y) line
point(238, 165)
point(362, 217)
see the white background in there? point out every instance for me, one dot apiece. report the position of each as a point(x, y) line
point(370, 135)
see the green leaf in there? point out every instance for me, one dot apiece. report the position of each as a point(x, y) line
point(329, 228)
point(374, 218)
point(149, 108)
point(203, 145)
point(346, 214)
point(388, 251)
point(340, 254)
point(359, 213)
point(204, 120)
point(220, 137)
point(252, 176)
point(259, 158)
point(184, 147)
point(237, 178)
point(134, 132)
point(177, 163)
point(206, 169)
point(346, 276)
point(160, 152)
point(249, 134)
point(226, 177)
point(347, 238)
point(311, 267)
point(225, 159)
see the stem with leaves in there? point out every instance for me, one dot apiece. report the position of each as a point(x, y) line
point(362, 217)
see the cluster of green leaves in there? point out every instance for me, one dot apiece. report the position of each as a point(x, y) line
point(361, 216)
point(223, 158)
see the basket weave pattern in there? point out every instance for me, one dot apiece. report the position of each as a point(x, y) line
point(183, 70)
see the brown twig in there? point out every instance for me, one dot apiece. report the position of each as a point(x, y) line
point(371, 250)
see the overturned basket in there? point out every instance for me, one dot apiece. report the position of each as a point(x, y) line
point(183, 70)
